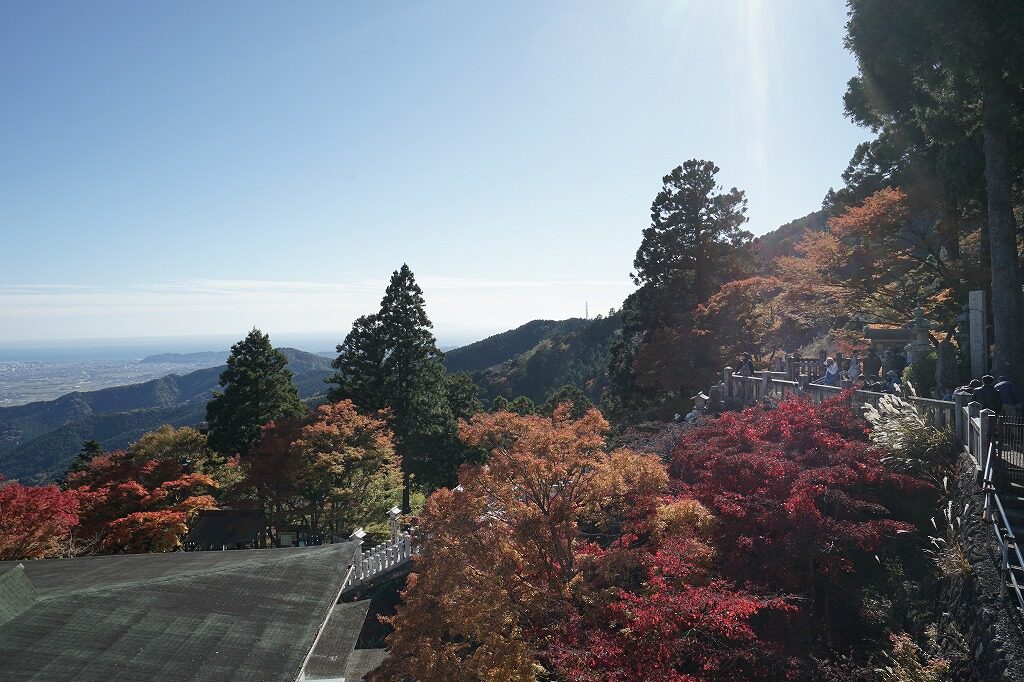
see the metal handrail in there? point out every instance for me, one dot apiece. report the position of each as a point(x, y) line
point(1002, 528)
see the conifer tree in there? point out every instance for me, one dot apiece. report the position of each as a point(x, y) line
point(694, 244)
point(258, 389)
point(90, 448)
point(945, 70)
point(390, 361)
point(694, 234)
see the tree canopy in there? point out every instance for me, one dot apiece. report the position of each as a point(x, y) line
point(258, 389)
point(390, 361)
point(694, 244)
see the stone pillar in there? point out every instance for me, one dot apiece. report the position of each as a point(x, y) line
point(393, 515)
point(988, 422)
point(922, 344)
point(358, 534)
point(979, 338)
point(959, 400)
point(973, 408)
point(727, 380)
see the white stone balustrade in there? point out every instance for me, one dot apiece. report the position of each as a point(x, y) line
point(382, 558)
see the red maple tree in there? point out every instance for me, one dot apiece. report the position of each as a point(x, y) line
point(35, 522)
point(804, 504)
point(129, 506)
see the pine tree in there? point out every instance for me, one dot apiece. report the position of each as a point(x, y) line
point(694, 244)
point(90, 449)
point(390, 361)
point(258, 389)
point(694, 233)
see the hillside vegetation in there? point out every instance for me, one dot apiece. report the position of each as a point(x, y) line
point(783, 240)
point(540, 357)
point(39, 440)
point(496, 349)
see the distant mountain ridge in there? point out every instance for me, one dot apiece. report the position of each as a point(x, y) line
point(498, 348)
point(39, 440)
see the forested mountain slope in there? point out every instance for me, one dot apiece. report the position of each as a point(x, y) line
point(496, 349)
point(38, 440)
point(782, 240)
point(540, 357)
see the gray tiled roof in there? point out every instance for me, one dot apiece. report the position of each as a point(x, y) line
point(236, 615)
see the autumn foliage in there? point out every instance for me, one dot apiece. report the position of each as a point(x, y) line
point(881, 259)
point(804, 504)
point(749, 554)
point(134, 502)
point(35, 522)
point(559, 558)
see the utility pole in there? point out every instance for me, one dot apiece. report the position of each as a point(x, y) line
point(586, 310)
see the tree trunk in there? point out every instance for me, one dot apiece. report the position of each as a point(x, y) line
point(1002, 226)
point(406, 506)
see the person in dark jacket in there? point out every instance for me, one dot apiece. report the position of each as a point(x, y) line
point(872, 365)
point(988, 396)
point(891, 382)
point(1008, 393)
point(746, 365)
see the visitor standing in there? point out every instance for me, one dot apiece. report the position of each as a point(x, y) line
point(853, 371)
point(872, 365)
point(1008, 393)
point(988, 396)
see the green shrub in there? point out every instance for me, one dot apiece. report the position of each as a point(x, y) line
point(921, 373)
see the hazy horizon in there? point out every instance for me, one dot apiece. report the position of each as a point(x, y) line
point(224, 166)
point(135, 348)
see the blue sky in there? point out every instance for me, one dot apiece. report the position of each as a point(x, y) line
point(200, 168)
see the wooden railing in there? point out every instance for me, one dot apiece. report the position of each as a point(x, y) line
point(381, 559)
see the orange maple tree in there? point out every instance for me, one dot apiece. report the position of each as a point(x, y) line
point(881, 259)
point(348, 471)
point(133, 504)
point(561, 558)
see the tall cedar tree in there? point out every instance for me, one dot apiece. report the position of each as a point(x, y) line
point(694, 230)
point(390, 361)
point(694, 244)
point(942, 64)
point(257, 390)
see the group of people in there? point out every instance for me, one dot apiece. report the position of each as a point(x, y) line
point(878, 373)
point(883, 374)
point(999, 396)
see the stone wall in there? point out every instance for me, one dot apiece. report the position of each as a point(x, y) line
point(994, 631)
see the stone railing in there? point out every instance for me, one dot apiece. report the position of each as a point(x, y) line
point(751, 390)
point(382, 558)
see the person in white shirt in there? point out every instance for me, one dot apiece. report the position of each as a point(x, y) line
point(831, 377)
